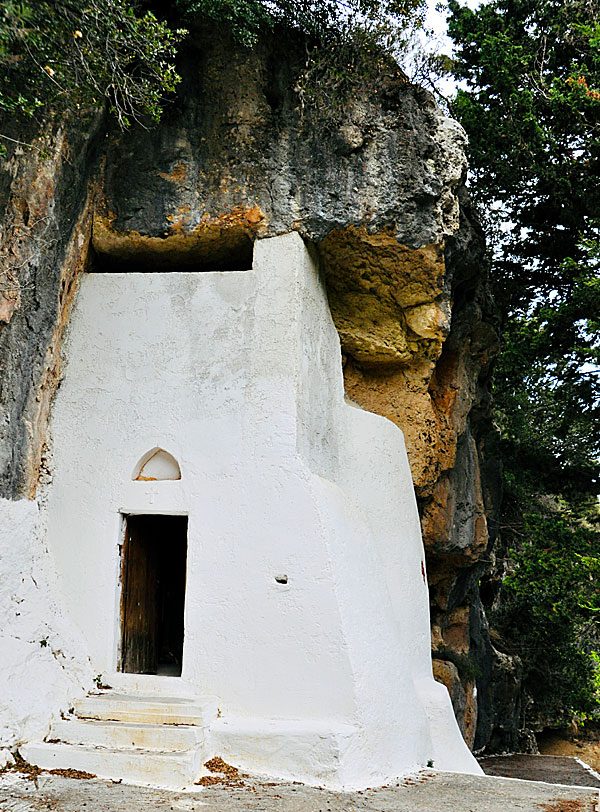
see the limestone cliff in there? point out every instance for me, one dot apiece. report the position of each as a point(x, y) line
point(382, 199)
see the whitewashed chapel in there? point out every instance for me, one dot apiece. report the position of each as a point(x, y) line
point(237, 548)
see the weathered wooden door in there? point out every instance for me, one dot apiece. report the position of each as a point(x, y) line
point(139, 644)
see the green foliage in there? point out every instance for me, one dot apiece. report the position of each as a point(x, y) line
point(552, 599)
point(547, 391)
point(531, 107)
point(244, 18)
point(320, 20)
point(530, 102)
point(76, 54)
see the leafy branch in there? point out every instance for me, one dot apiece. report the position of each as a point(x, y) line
point(76, 55)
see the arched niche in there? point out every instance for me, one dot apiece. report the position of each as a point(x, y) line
point(156, 465)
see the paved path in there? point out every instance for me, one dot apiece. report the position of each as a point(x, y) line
point(554, 769)
point(427, 792)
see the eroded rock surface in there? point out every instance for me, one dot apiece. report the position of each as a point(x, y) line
point(383, 202)
point(45, 193)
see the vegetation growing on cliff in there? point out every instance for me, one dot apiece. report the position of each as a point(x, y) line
point(77, 55)
point(349, 44)
point(531, 107)
point(320, 20)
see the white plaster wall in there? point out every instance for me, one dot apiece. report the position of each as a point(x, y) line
point(238, 375)
point(43, 666)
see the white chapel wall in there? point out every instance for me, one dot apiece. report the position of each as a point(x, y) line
point(43, 665)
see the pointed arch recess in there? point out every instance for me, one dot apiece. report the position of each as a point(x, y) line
point(156, 465)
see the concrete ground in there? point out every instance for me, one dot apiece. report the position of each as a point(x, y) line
point(554, 769)
point(426, 792)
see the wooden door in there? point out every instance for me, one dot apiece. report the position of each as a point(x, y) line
point(140, 603)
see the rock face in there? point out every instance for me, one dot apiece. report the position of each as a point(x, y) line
point(44, 239)
point(382, 201)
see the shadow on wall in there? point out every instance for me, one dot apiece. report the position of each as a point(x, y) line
point(211, 248)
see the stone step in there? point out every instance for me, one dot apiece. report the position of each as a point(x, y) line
point(125, 734)
point(171, 769)
point(163, 710)
point(148, 685)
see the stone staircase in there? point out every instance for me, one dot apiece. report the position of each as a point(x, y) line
point(139, 739)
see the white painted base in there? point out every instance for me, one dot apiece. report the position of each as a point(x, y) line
point(148, 685)
point(310, 752)
point(44, 662)
point(444, 752)
point(137, 735)
point(147, 709)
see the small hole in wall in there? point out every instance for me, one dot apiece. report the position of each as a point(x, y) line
point(281, 579)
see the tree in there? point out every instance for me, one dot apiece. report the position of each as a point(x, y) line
point(551, 598)
point(318, 20)
point(530, 103)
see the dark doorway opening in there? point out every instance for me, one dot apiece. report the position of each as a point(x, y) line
point(153, 594)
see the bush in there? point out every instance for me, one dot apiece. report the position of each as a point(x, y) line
point(77, 54)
